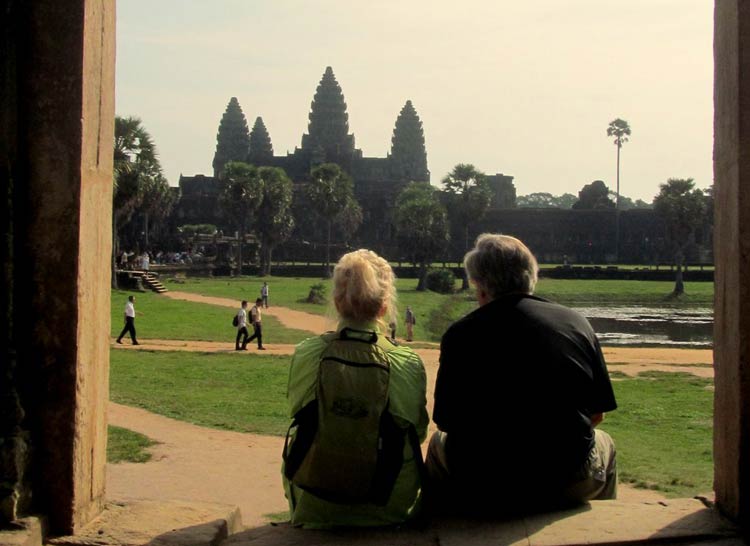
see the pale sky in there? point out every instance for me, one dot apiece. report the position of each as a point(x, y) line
point(520, 87)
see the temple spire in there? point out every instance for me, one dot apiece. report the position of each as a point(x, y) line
point(329, 122)
point(261, 150)
point(408, 154)
point(232, 138)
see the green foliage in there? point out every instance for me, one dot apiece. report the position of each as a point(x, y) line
point(330, 192)
point(594, 196)
point(240, 196)
point(317, 294)
point(543, 200)
point(441, 281)
point(683, 208)
point(232, 138)
point(421, 225)
point(275, 221)
point(242, 392)
point(191, 230)
point(620, 129)
point(136, 167)
point(126, 446)
point(469, 196)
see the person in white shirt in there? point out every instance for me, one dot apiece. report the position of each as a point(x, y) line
point(241, 328)
point(255, 317)
point(129, 321)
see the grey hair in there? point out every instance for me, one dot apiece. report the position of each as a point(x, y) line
point(501, 264)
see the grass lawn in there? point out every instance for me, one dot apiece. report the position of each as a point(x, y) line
point(663, 431)
point(126, 446)
point(663, 427)
point(160, 317)
point(233, 392)
point(288, 291)
point(436, 311)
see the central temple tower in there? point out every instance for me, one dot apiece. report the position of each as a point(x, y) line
point(328, 138)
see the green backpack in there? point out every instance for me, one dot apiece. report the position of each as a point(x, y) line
point(347, 447)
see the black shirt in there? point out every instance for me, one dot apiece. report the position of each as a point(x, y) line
point(519, 379)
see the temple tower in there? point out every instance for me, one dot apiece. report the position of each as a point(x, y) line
point(232, 139)
point(328, 135)
point(261, 150)
point(408, 155)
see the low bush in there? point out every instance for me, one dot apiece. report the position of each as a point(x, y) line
point(440, 281)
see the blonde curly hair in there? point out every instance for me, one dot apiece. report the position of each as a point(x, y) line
point(364, 288)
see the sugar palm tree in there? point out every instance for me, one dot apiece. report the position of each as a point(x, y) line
point(620, 130)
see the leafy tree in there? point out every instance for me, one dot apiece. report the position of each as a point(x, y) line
point(626, 203)
point(543, 200)
point(136, 168)
point(348, 221)
point(594, 196)
point(330, 191)
point(275, 221)
point(241, 195)
point(683, 208)
point(232, 138)
point(469, 197)
point(422, 226)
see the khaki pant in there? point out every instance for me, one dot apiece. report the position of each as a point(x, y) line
point(409, 331)
point(598, 479)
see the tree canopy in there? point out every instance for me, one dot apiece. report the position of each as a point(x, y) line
point(543, 200)
point(683, 208)
point(275, 221)
point(330, 191)
point(421, 225)
point(620, 129)
point(594, 196)
point(241, 195)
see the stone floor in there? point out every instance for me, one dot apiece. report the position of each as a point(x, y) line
point(677, 522)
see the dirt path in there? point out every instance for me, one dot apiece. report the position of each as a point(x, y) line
point(630, 361)
point(198, 463)
point(298, 320)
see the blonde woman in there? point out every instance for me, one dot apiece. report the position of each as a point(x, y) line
point(358, 404)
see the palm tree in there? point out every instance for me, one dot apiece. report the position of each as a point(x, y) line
point(135, 163)
point(620, 129)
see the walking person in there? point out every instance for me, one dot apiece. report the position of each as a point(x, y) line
point(241, 328)
point(410, 320)
point(129, 322)
point(264, 294)
point(255, 317)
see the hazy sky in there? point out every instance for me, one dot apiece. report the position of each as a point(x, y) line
point(521, 87)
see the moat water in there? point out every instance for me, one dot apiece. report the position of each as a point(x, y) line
point(652, 326)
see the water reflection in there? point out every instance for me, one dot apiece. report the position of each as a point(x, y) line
point(654, 326)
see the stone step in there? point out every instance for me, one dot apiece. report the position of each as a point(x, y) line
point(675, 521)
point(162, 523)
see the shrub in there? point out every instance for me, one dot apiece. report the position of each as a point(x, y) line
point(440, 281)
point(317, 294)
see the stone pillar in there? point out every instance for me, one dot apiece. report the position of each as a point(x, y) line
point(61, 106)
point(732, 255)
